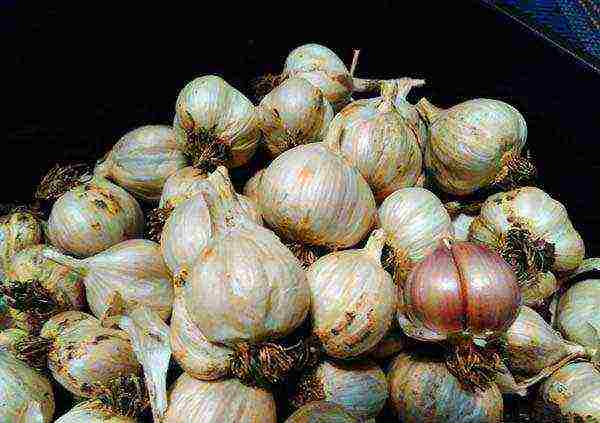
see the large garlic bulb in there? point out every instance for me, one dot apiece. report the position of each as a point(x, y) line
point(19, 387)
point(353, 300)
point(245, 284)
point(312, 195)
point(415, 221)
point(92, 217)
point(195, 401)
point(18, 230)
point(578, 313)
point(294, 113)
point(216, 123)
point(379, 141)
point(475, 144)
point(134, 268)
point(534, 234)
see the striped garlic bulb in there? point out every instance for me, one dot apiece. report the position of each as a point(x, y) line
point(195, 401)
point(474, 144)
point(19, 387)
point(92, 217)
point(312, 195)
point(353, 300)
point(294, 113)
point(415, 221)
point(134, 268)
point(423, 390)
point(323, 412)
point(18, 230)
point(360, 387)
point(578, 313)
point(376, 138)
point(142, 160)
point(534, 234)
point(216, 123)
point(245, 284)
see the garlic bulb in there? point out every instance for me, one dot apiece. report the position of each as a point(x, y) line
point(294, 113)
point(360, 387)
point(18, 230)
point(142, 160)
point(55, 325)
point(534, 234)
point(196, 401)
point(423, 390)
point(578, 313)
point(321, 411)
point(353, 299)
point(245, 284)
point(134, 268)
point(216, 123)
point(391, 344)
point(93, 411)
point(415, 221)
point(92, 217)
point(19, 387)
point(312, 195)
point(475, 144)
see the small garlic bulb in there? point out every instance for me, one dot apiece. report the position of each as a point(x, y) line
point(294, 113)
point(379, 141)
point(92, 217)
point(142, 160)
point(474, 144)
point(353, 299)
point(18, 230)
point(415, 221)
point(216, 123)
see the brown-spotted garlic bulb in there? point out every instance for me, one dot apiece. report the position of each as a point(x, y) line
point(380, 141)
point(245, 285)
point(475, 144)
point(142, 160)
point(18, 230)
point(92, 217)
point(312, 195)
point(415, 221)
point(134, 269)
point(353, 300)
point(294, 113)
point(535, 236)
point(215, 123)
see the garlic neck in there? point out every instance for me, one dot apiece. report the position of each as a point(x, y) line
point(404, 85)
point(76, 265)
point(428, 110)
point(375, 243)
point(223, 205)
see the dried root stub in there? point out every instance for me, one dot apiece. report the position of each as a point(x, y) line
point(306, 254)
point(203, 148)
point(518, 171)
point(155, 221)
point(470, 208)
point(33, 350)
point(125, 395)
point(395, 264)
point(61, 179)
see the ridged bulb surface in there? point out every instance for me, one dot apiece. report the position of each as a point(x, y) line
point(93, 411)
point(578, 313)
point(323, 412)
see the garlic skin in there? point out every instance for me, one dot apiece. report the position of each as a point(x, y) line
point(196, 401)
point(461, 225)
point(353, 300)
point(415, 221)
point(209, 103)
point(93, 411)
point(294, 113)
point(20, 385)
point(360, 387)
point(56, 325)
point(577, 314)
point(142, 160)
point(471, 142)
point(92, 217)
point(321, 411)
point(134, 268)
point(252, 187)
point(380, 142)
point(18, 230)
point(310, 194)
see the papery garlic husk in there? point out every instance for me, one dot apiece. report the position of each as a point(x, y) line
point(245, 285)
point(475, 144)
point(215, 123)
point(20, 386)
point(353, 300)
point(578, 313)
point(423, 390)
point(93, 411)
point(534, 234)
point(461, 225)
point(294, 113)
point(312, 195)
point(252, 186)
point(18, 230)
point(142, 160)
point(134, 268)
point(92, 217)
point(321, 411)
point(415, 221)
point(379, 141)
point(572, 394)
point(195, 401)
point(32, 414)
point(56, 325)
point(360, 387)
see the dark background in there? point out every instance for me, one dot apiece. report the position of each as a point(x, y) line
point(77, 80)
